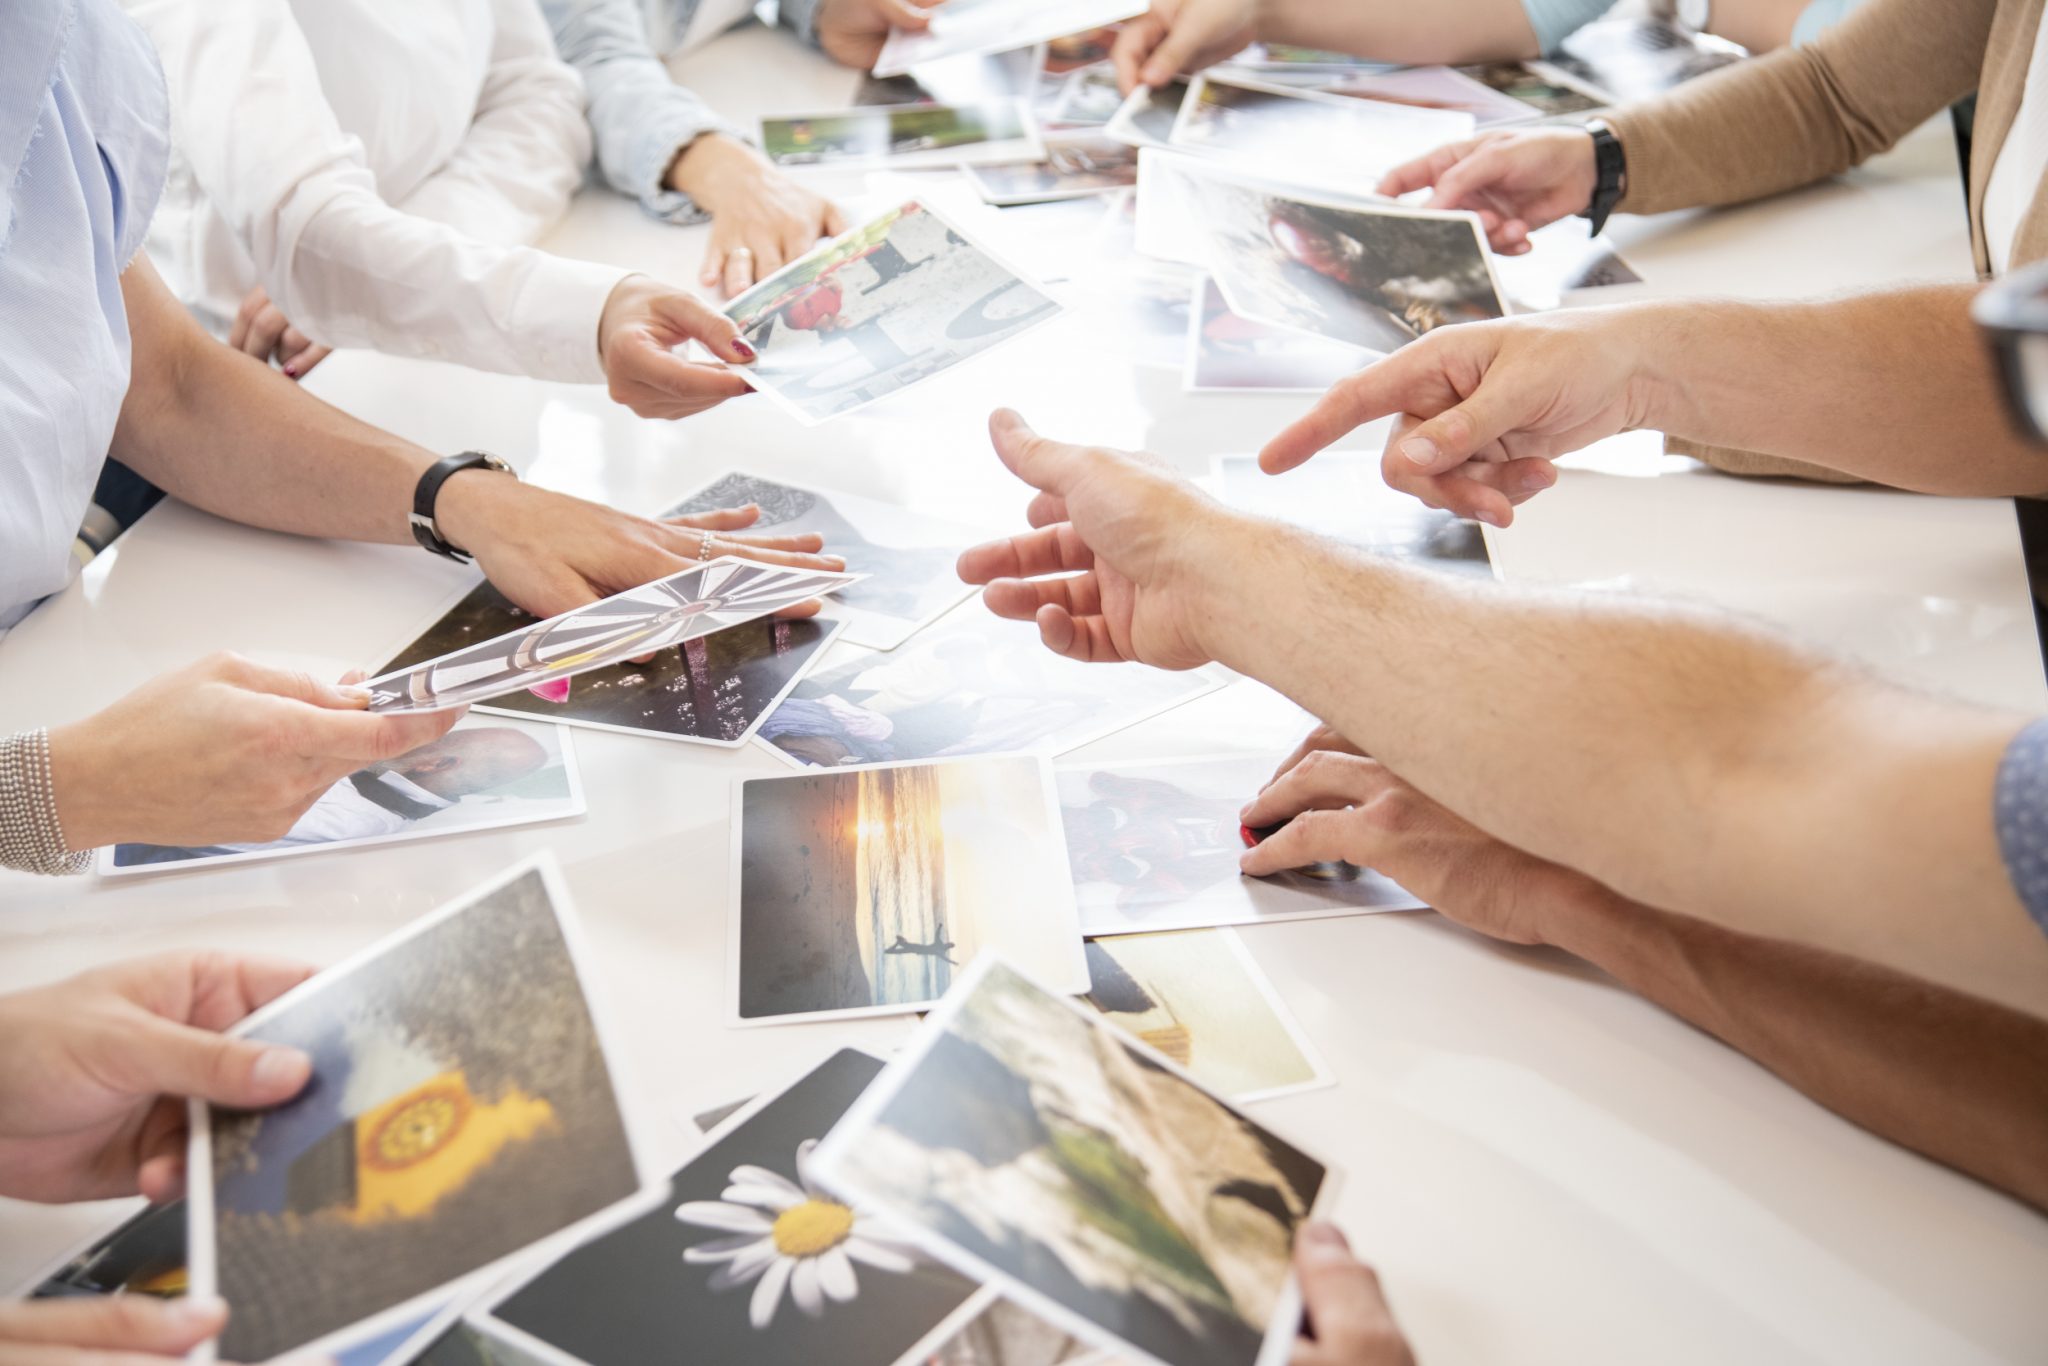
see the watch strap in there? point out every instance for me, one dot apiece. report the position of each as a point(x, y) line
point(427, 493)
point(1610, 173)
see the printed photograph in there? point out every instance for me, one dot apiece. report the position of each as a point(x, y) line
point(902, 136)
point(1371, 277)
point(748, 1260)
point(894, 301)
point(1147, 118)
point(1090, 97)
point(1069, 52)
point(1073, 168)
point(695, 602)
point(971, 683)
point(1230, 354)
point(461, 1108)
point(869, 891)
point(957, 81)
point(483, 775)
point(1288, 57)
point(1201, 999)
point(907, 557)
point(1027, 1139)
point(1528, 84)
point(1342, 496)
point(965, 26)
point(1638, 58)
point(1347, 143)
point(1007, 1334)
point(464, 1343)
point(1436, 87)
point(1601, 268)
point(712, 690)
point(1155, 847)
point(143, 1255)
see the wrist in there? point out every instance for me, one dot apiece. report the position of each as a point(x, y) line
point(74, 783)
point(474, 506)
point(712, 169)
point(1572, 912)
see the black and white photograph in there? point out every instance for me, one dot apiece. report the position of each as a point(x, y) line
point(464, 1105)
point(897, 300)
point(1548, 92)
point(685, 606)
point(1436, 87)
point(907, 556)
point(1372, 276)
point(903, 136)
point(970, 683)
point(1228, 354)
point(971, 26)
point(1331, 140)
point(747, 1260)
point(1024, 1139)
point(1147, 116)
point(482, 775)
point(1074, 167)
point(1155, 845)
point(1089, 98)
point(1342, 496)
point(958, 81)
point(868, 891)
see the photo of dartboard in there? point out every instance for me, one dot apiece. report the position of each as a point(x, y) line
point(682, 607)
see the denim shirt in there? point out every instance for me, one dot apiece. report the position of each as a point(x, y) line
point(84, 141)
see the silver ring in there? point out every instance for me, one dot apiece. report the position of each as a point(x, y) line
point(747, 252)
point(704, 547)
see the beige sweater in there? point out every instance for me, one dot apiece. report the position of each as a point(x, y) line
point(1803, 114)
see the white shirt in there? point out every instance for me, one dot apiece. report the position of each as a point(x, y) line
point(2022, 157)
point(342, 813)
point(374, 165)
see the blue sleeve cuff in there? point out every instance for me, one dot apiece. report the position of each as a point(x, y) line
point(1556, 20)
point(656, 145)
point(801, 18)
point(1820, 16)
point(2021, 811)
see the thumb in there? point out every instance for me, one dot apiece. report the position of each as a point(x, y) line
point(167, 1058)
point(1175, 52)
point(120, 1323)
point(1456, 434)
point(720, 334)
point(1341, 1295)
point(1038, 462)
point(303, 687)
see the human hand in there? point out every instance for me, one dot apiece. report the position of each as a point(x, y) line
point(1345, 1307)
point(1132, 540)
point(220, 752)
point(644, 321)
point(262, 331)
point(106, 1330)
point(1339, 805)
point(95, 1071)
point(852, 32)
point(1515, 181)
point(1180, 35)
point(760, 218)
point(549, 552)
point(1485, 408)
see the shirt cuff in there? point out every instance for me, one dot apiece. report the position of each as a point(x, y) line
point(1556, 20)
point(679, 124)
point(557, 316)
point(801, 18)
point(1818, 17)
point(2020, 808)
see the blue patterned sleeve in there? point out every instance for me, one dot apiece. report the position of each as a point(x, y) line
point(1556, 20)
point(2021, 808)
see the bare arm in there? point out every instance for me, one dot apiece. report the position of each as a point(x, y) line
point(1445, 32)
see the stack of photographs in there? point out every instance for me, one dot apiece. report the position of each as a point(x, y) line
point(1074, 167)
point(1345, 142)
point(1025, 1141)
point(464, 1107)
point(965, 27)
point(1436, 87)
point(902, 136)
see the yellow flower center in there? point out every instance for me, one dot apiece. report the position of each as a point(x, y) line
point(814, 1227)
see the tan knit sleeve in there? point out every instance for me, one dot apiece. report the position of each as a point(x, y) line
point(1805, 113)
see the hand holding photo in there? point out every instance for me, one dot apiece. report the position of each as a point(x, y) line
point(1028, 1143)
point(894, 301)
point(1329, 139)
point(967, 26)
point(1147, 116)
point(684, 606)
point(867, 891)
point(902, 136)
point(463, 1106)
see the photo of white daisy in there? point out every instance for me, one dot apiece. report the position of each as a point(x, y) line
point(706, 1277)
point(789, 1234)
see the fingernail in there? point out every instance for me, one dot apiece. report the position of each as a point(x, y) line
point(745, 351)
point(1491, 518)
point(200, 1311)
point(353, 693)
point(1323, 1243)
point(279, 1068)
point(1535, 480)
point(1420, 450)
point(291, 372)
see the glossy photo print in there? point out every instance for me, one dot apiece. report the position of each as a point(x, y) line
point(1007, 1334)
point(907, 557)
point(695, 602)
point(142, 1255)
point(1332, 140)
point(1228, 354)
point(895, 301)
point(957, 81)
point(710, 690)
point(1073, 168)
point(1154, 846)
point(483, 775)
point(1341, 495)
point(1547, 92)
point(967, 26)
point(1147, 116)
point(463, 1107)
point(747, 1261)
point(1025, 1140)
point(970, 683)
point(1435, 87)
point(868, 891)
point(1200, 998)
point(904, 136)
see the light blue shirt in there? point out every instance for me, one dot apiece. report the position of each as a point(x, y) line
point(84, 140)
point(2020, 808)
point(1556, 20)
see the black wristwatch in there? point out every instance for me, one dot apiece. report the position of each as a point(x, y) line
point(424, 529)
point(1610, 173)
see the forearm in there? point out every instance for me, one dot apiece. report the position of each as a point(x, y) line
point(1444, 32)
point(1895, 387)
point(1948, 1075)
point(1674, 755)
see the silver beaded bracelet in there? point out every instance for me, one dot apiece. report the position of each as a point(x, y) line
point(31, 836)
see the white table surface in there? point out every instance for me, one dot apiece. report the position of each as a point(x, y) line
point(1544, 1168)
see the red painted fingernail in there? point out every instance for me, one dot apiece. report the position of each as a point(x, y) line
point(291, 372)
point(746, 352)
